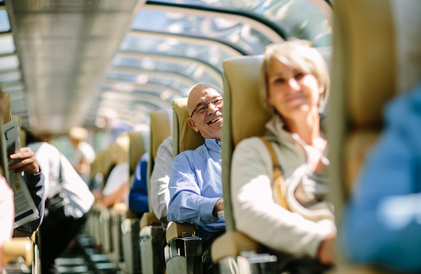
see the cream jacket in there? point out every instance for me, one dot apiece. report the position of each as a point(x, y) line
point(299, 231)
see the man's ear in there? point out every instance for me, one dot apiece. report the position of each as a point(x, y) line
point(192, 124)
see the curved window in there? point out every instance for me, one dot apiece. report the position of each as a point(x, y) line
point(4, 21)
point(298, 18)
point(9, 62)
point(164, 92)
point(231, 31)
point(211, 54)
point(7, 45)
point(172, 80)
point(10, 76)
point(189, 68)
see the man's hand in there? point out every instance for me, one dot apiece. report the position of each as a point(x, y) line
point(26, 161)
point(219, 206)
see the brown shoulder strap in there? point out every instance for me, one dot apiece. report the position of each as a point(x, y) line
point(278, 178)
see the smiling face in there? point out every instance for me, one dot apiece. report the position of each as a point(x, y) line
point(292, 91)
point(205, 108)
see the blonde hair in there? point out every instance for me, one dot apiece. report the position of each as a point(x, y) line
point(78, 134)
point(297, 54)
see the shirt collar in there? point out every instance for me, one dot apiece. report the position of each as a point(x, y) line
point(213, 144)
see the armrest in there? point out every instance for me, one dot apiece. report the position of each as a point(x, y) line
point(18, 247)
point(231, 244)
point(176, 230)
point(23, 234)
point(149, 218)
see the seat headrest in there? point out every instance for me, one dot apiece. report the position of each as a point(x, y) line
point(136, 149)
point(7, 108)
point(123, 148)
point(160, 129)
point(93, 167)
point(242, 105)
point(184, 137)
point(365, 64)
point(111, 155)
point(100, 162)
point(407, 23)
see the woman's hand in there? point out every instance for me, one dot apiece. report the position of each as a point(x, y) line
point(26, 161)
point(326, 254)
point(315, 155)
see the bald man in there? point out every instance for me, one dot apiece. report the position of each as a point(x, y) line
point(195, 182)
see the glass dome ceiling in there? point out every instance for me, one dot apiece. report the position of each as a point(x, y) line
point(173, 45)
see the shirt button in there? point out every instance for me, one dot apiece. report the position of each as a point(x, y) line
point(212, 220)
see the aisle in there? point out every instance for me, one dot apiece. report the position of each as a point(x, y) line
point(82, 258)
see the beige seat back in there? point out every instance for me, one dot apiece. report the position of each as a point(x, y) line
point(7, 103)
point(7, 108)
point(19, 120)
point(22, 132)
point(100, 158)
point(377, 55)
point(110, 160)
point(136, 149)
point(375, 58)
point(160, 124)
point(184, 137)
point(122, 143)
point(241, 83)
point(241, 97)
point(93, 170)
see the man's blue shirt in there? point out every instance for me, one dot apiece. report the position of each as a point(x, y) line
point(138, 197)
point(195, 186)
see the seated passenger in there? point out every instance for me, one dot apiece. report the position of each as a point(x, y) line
point(138, 197)
point(27, 163)
point(116, 188)
point(382, 222)
point(6, 215)
point(84, 154)
point(56, 235)
point(294, 87)
point(160, 177)
point(34, 179)
point(195, 182)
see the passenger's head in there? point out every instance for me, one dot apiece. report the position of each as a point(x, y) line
point(294, 78)
point(204, 105)
point(77, 135)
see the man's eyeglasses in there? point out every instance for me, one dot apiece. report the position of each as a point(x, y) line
point(203, 107)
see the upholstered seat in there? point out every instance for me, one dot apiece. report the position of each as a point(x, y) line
point(241, 85)
point(183, 251)
point(376, 56)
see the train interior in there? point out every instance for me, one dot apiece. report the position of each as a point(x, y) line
point(89, 63)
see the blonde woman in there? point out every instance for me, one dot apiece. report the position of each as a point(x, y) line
point(291, 218)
